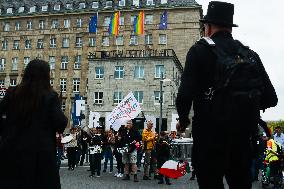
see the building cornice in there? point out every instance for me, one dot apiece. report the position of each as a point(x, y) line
point(27, 4)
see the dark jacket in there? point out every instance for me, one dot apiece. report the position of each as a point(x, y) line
point(130, 136)
point(163, 151)
point(28, 157)
point(198, 76)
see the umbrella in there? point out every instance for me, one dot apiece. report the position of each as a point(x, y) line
point(173, 169)
point(66, 139)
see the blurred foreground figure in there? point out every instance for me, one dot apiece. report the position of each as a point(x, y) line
point(31, 115)
point(228, 86)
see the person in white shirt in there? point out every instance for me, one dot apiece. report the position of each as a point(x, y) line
point(279, 136)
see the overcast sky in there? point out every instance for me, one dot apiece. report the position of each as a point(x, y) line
point(261, 27)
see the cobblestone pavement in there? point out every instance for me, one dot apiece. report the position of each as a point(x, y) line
point(79, 179)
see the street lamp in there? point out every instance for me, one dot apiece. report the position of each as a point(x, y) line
point(162, 80)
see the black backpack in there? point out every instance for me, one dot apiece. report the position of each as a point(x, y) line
point(237, 86)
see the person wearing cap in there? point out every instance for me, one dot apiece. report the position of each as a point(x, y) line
point(219, 151)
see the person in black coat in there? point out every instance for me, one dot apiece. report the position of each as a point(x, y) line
point(163, 155)
point(219, 148)
point(95, 150)
point(28, 146)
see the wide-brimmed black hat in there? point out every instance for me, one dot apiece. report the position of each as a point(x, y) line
point(219, 13)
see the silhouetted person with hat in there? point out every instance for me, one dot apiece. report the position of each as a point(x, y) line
point(224, 149)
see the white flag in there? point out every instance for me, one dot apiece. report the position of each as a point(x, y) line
point(127, 109)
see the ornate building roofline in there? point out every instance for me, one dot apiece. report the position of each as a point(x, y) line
point(11, 8)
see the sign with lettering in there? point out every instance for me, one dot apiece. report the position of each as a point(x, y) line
point(127, 109)
point(94, 119)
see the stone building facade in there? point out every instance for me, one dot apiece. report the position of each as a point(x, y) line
point(113, 76)
point(57, 31)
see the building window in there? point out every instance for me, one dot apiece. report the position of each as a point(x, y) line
point(13, 82)
point(139, 96)
point(15, 61)
point(162, 39)
point(159, 69)
point(117, 97)
point(17, 25)
point(64, 62)
point(149, 19)
point(157, 97)
point(28, 44)
point(32, 9)
point(150, 2)
point(16, 44)
point(135, 3)
point(121, 3)
point(106, 21)
point(132, 18)
point(40, 43)
point(133, 40)
point(26, 61)
point(108, 4)
point(6, 26)
point(29, 25)
point(2, 83)
point(148, 39)
point(121, 20)
point(69, 6)
point(21, 9)
point(63, 82)
point(41, 24)
point(99, 72)
point(52, 42)
point(92, 41)
point(56, 7)
point(65, 42)
point(44, 8)
point(2, 64)
point(79, 42)
point(119, 40)
point(118, 72)
point(77, 64)
point(164, 2)
point(66, 23)
point(51, 82)
point(98, 97)
point(139, 72)
point(76, 85)
point(82, 5)
point(63, 105)
point(79, 23)
point(54, 24)
point(52, 62)
point(5, 44)
point(10, 10)
point(95, 5)
point(105, 41)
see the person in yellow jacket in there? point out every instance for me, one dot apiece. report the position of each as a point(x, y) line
point(148, 139)
point(272, 156)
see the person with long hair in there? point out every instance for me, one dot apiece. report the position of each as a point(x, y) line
point(33, 115)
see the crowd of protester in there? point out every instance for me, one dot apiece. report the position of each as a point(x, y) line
point(127, 145)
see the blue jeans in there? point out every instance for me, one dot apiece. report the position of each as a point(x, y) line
point(108, 156)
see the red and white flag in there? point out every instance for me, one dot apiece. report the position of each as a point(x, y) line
point(173, 169)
